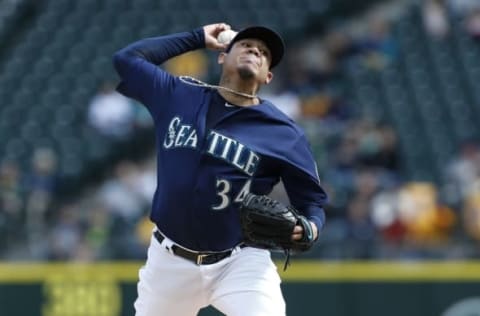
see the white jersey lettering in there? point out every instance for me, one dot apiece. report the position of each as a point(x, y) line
point(177, 135)
point(181, 135)
point(244, 191)
point(218, 145)
point(192, 139)
point(232, 151)
point(226, 149)
point(236, 158)
point(213, 136)
point(252, 163)
point(171, 134)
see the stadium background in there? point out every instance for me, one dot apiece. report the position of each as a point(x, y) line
point(387, 92)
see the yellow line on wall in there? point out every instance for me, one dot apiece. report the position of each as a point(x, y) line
point(298, 271)
point(394, 271)
point(38, 272)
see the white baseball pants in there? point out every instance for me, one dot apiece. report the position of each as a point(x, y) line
point(246, 283)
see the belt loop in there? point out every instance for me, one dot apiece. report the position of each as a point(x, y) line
point(238, 249)
point(169, 249)
point(167, 243)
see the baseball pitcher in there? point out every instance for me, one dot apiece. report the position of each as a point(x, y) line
point(220, 151)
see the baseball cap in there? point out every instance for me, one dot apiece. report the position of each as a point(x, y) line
point(271, 38)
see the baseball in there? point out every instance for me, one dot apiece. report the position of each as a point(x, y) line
point(226, 36)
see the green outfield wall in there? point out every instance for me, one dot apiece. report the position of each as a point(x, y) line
point(310, 288)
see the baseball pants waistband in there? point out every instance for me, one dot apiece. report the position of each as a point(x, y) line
point(199, 258)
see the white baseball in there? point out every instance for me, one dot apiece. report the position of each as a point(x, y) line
point(226, 36)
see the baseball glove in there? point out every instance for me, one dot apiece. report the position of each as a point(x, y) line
point(267, 223)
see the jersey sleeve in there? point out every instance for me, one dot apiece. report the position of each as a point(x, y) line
point(137, 65)
point(302, 184)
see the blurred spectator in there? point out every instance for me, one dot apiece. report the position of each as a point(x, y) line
point(43, 174)
point(110, 113)
point(378, 46)
point(316, 105)
point(427, 222)
point(340, 46)
point(287, 102)
point(361, 232)
point(462, 172)
point(316, 78)
point(346, 155)
point(41, 186)
point(388, 156)
point(471, 212)
point(435, 19)
point(462, 7)
point(11, 204)
point(378, 147)
point(97, 232)
point(65, 234)
point(145, 182)
point(304, 78)
point(366, 183)
point(120, 195)
point(369, 142)
point(385, 215)
point(194, 64)
point(472, 23)
point(144, 230)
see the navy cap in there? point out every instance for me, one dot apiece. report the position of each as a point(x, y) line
point(271, 38)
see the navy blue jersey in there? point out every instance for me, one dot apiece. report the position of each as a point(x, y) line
point(211, 153)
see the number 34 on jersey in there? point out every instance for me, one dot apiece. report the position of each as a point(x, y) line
point(224, 188)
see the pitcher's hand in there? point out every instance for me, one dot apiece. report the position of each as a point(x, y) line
point(211, 33)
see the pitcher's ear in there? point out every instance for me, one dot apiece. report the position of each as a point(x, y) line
point(269, 77)
point(221, 58)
